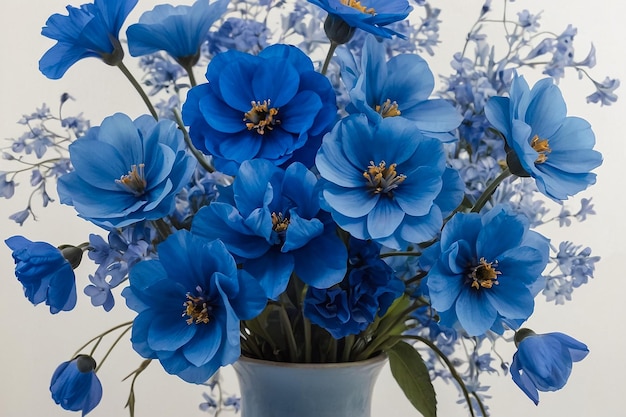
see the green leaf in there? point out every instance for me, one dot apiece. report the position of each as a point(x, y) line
point(409, 370)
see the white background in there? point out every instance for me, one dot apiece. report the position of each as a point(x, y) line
point(33, 342)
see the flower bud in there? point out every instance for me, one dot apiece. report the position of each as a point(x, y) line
point(85, 363)
point(337, 29)
point(72, 254)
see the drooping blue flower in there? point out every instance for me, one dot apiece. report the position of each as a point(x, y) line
point(272, 223)
point(367, 292)
point(89, 31)
point(178, 30)
point(400, 87)
point(369, 15)
point(135, 174)
point(387, 182)
point(189, 304)
point(543, 362)
point(544, 143)
point(263, 106)
point(486, 265)
point(75, 385)
point(44, 273)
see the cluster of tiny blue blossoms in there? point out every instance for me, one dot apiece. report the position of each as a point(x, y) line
point(314, 198)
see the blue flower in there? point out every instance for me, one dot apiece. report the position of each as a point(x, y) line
point(543, 142)
point(387, 182)
point(75, 386)
point(400, 87)
point(486, 265)
point(367, 291)
point(369, 15)
point(271, 221)
point(89, 31)
point(605, 92)
point(7, 188)
point(543, 362)
point(177, 30)
point(263, 106)
point(45, 274)
point(189, 303)
point(135, 174)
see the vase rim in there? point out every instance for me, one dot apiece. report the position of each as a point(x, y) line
point(381, 357)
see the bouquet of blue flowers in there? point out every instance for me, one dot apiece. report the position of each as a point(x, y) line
point(314, 198)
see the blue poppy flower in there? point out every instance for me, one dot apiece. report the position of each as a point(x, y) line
point(543, 362)
point(44, 273)
point(89, 31)
point(263, 106)
point(178, 30)
point(271, 221)
point(543, 142)
point(189, 304)
point(386, 182)
point(400, 87)
point(75, 385)
point(486, 265)
point(135, 174)
point(367, 292)
point(369, 15)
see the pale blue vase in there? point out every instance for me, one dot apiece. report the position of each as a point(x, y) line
point(277, 389)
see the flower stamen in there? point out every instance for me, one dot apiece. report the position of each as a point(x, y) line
point(542, 147)
point(197, 309)
point(388, 109)
point(135, 180)
point(261, 117)
point(382, 178)
point(484, 275)
point(355, 4)
point(279, 222)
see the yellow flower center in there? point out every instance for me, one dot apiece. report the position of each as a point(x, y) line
point(355, 4)
point(196, 309)
point(542, 148)
point(261, 116)
point(388, 109)
point(135, 180)
point(279, 222)
point(382, 178)
point(484, 275)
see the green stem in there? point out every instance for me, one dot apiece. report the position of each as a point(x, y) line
point(450, 366)
point(384, 332)
point(289, 336)
point(101, 335)
point(332, 354)
point(194, 151)
point(163, 229)
point(140, 90)
point(329, 56)
point(348, 342)
point(308, 346)
point(486, 195)
point(192, 78)
point(106, 355)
